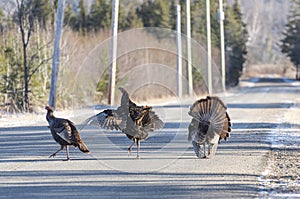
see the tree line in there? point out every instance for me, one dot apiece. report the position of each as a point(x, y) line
point(290, 44)
point(27, 38)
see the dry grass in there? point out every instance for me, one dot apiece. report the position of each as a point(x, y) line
point(146, 67)
point(270, 70)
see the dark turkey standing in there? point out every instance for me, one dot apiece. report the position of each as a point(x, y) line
point(210, 124)
point(135, 121)
point(65, 133)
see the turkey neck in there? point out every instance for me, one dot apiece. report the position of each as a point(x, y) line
point(49, 115)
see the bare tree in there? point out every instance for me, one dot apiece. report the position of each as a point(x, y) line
point(26, 24)
point(264, 26)
point(26, 18)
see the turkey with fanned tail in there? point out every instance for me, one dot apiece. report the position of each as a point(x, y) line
point(133, 120)
point(65, 133)
point(210, 124)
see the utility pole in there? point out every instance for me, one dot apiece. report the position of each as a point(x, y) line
point(188, 46)
point(221, 17)
point(179, 53)
point(113, 52)
point(208, 32)
point(56, 53)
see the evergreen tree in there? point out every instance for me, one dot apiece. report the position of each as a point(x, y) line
point(2, 21)
point(28, 17)
point(173, 15)
point(155, 13)
point(11, 73)
point(42, 11)
point(100, 15)
point(291, 41)
point(78, 19)
point(122, 23)
point(82, 18)
point(214, 21)
point(236, 37)
point(131, 20)
point(198, 22)
point(69, 16)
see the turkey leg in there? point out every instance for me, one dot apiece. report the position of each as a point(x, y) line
point(204, 150)
point(67, 151)
point(138, 149)
point(130, 147)
point(196, 148)
point(208, 149)
point(54, 154)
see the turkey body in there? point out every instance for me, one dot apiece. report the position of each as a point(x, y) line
point(210, 124)
point(65, 133)
point(133, 120)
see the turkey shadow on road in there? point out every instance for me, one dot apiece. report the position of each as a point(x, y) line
point(107, 183)
point(276, 89)
point(260, 105)
point(20, 144)
point(263, 125)
point(24, 128)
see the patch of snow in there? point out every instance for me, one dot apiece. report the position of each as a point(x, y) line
point(30, 119)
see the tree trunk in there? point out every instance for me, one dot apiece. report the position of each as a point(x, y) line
point(25, 40)
point(26, 90)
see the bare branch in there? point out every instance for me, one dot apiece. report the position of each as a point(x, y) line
point(37, 67)
point(31, 25)
point(20, 7)
point(36, 55)
point(32, 58)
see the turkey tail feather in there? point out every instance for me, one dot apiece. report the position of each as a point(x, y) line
point(211, 109)
point(210, 123)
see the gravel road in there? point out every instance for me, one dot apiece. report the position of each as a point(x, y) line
point(261, 158)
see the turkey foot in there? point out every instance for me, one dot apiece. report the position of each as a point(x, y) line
point(130, 147)
point(129, 151)
point(54, 154)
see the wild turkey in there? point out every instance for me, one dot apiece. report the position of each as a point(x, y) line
point(65, 133)
point(135, 121)
point(210, 124)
